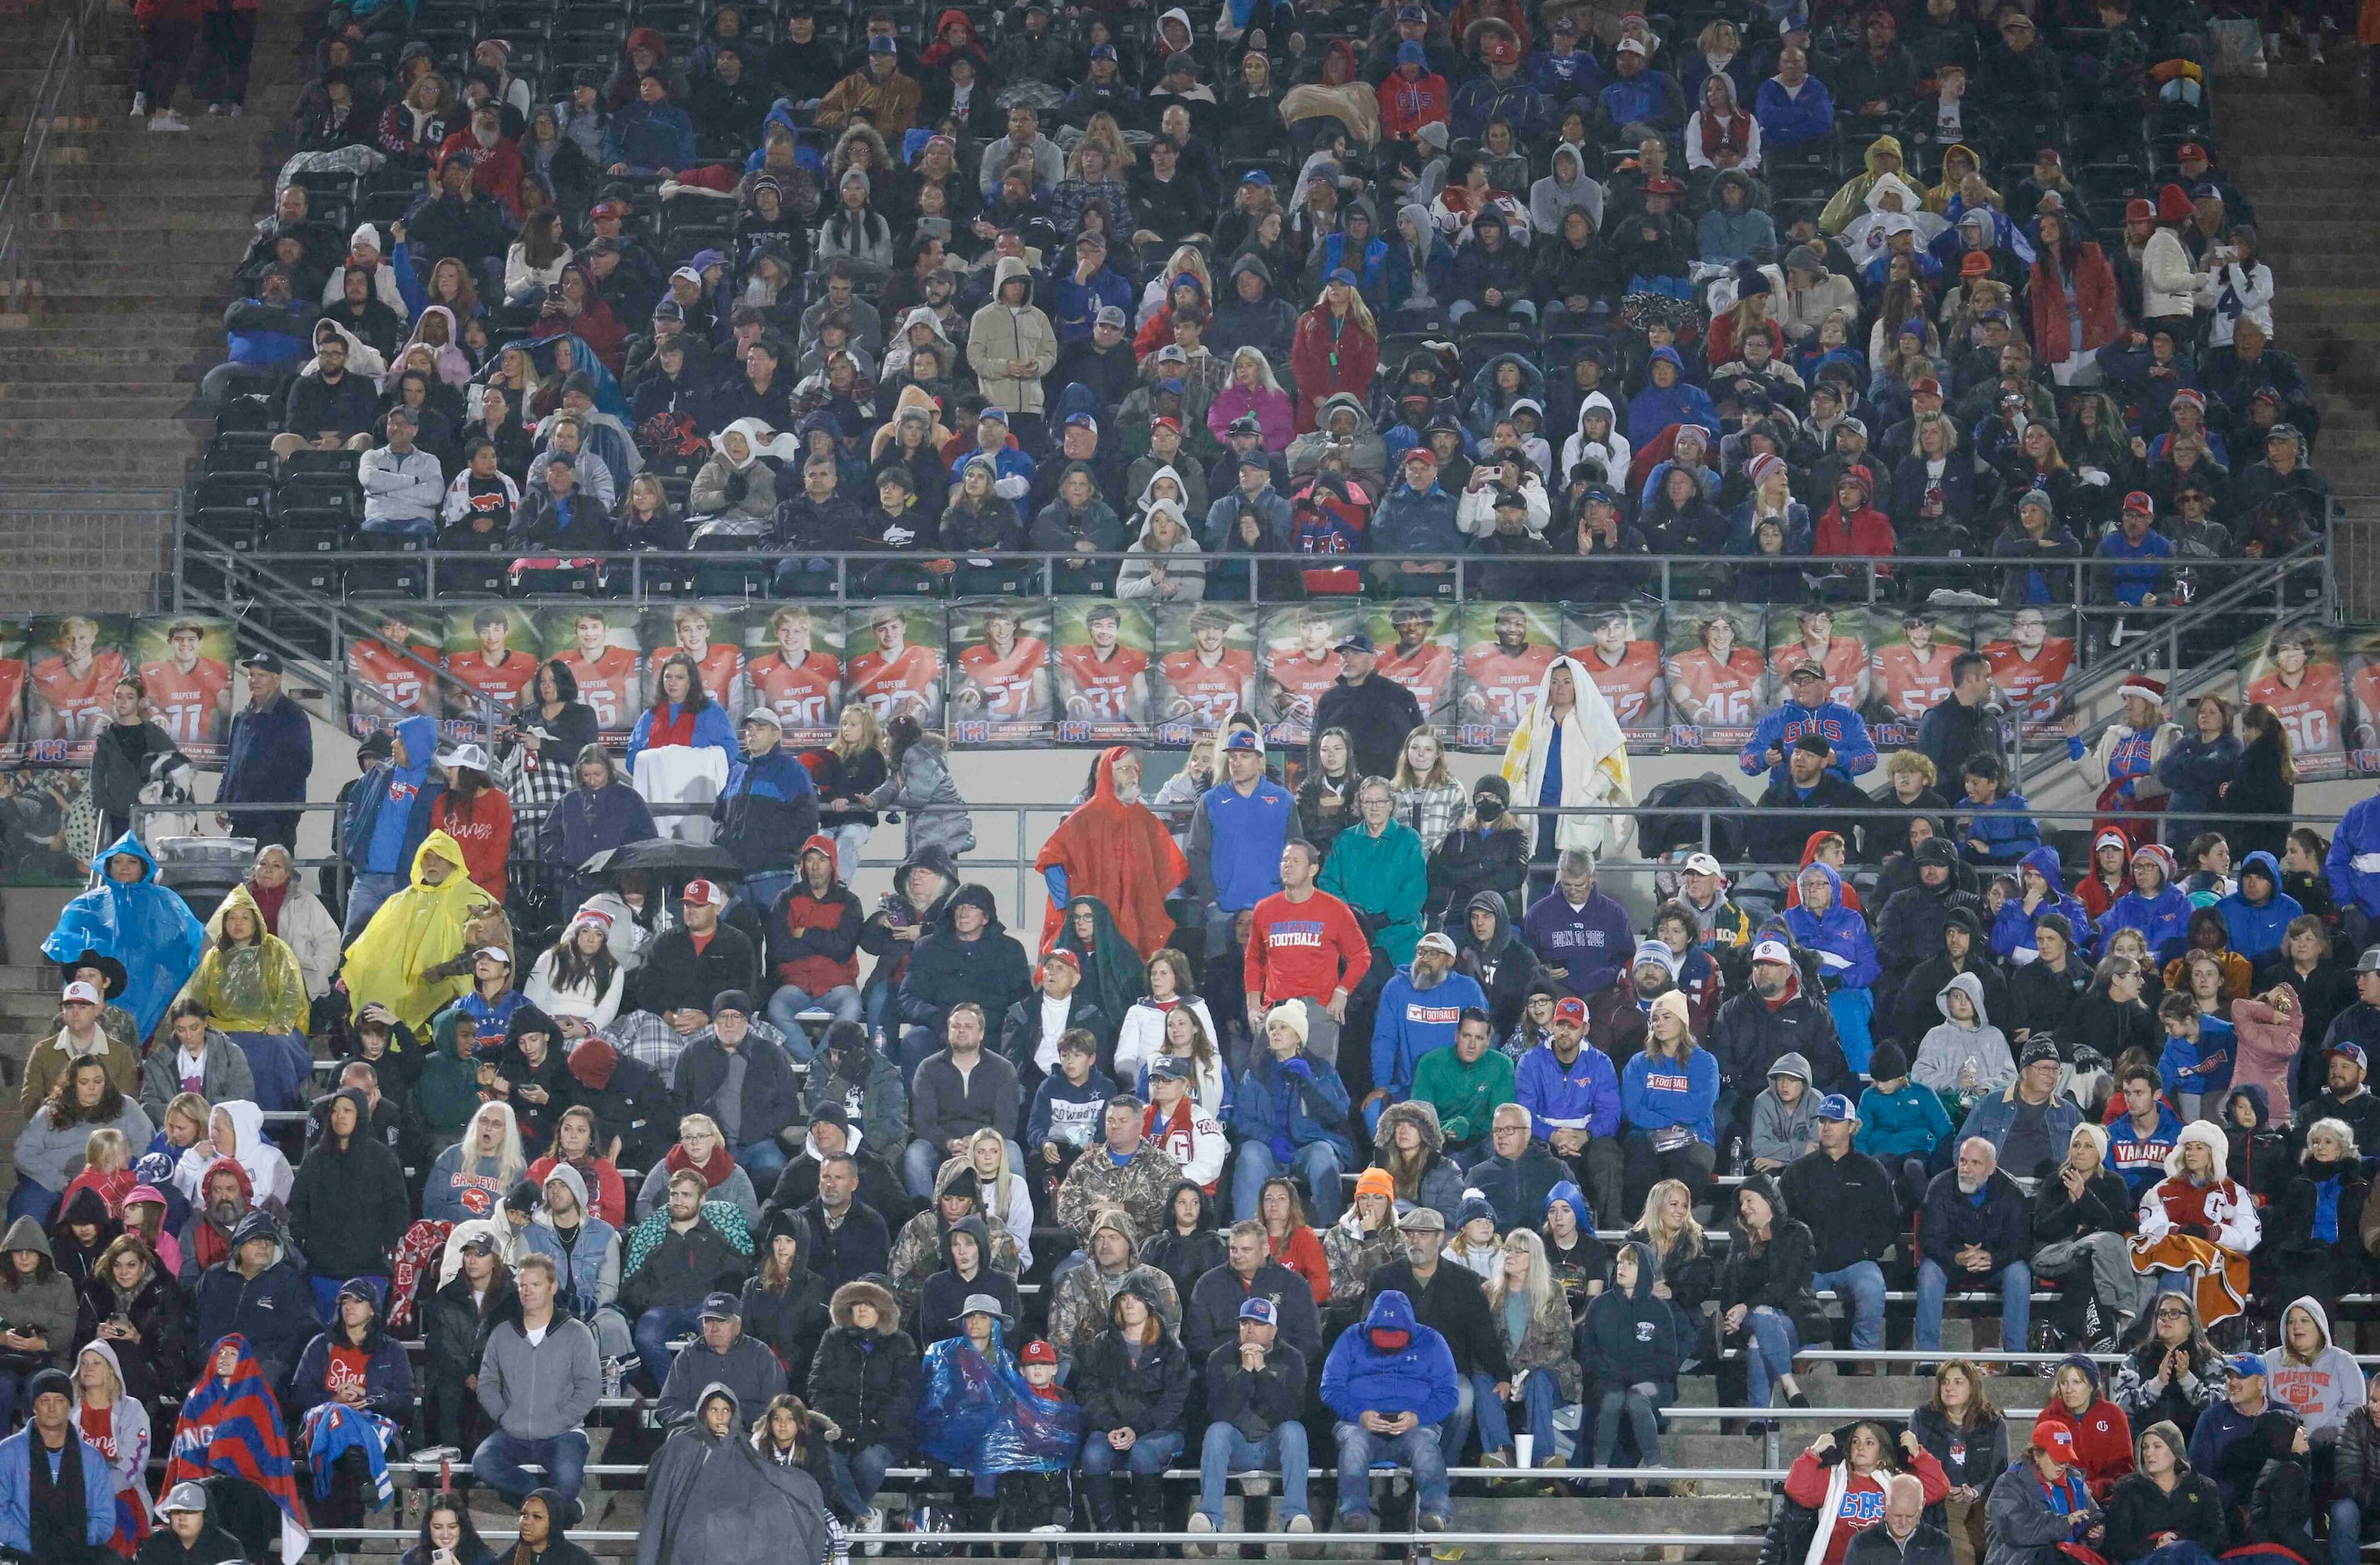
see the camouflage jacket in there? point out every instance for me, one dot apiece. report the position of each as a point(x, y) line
point(1080, 1310)
point(1143, 1187)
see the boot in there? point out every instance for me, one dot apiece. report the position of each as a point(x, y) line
point(982, 1516)
point(1098, 1497)
point(1148, 1508)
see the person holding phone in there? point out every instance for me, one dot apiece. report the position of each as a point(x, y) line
point(448, 1537)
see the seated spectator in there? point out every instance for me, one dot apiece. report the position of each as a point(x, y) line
point(1973, 1228)
point(722, 1355)
point(2198, 1225)
point(347, 1210)
point(2164, 1499)
point(1287, 1109)
point(961, 1088)
point(1630, 1346)
point(1784, 1118)
point(472, 1177)
point(63, 1509)
point(864, 1380)
point(700, 1149)
point(1806, 782)
point(1961, 1430)
point(357, 1366)
point(1532, 1315)
point(538, 1380)
point(84, 1099)
point(2082, 1210)
point(1079, 1312)
point(1572, 1095)
point(601, 1193)
point(1126, 1170)
point(1853, 1217)
point(2175, 1374)
point(1134, 1382)
point(1363, 1240)
point(133, 1310)
point(2101, 1436)
point(676, 1258)
point(2236, 1438)
point(1389, 1383)
point(1514, 1171)
point(193, 1537)
point(2044, 1499)
point(1965, 1054)
point(1752, 1031)
point(1668, 1094)
point(745, 1080)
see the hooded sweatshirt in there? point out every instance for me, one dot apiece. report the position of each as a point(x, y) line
point(2013, 930)
point(2322, 1392)
point(1780, 1134)
point(1943, 1055)
point(2257, 925)
point(1846, 954)
point(1391, 1363)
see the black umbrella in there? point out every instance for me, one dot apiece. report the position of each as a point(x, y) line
point(667, 860)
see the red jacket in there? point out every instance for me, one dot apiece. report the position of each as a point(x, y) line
point(1407, 106)
point(815, 946)
point(1866, 531)
point(483, 829)
point(1324, 368)
point(1303, 1255)
point(2093, 282)
point(495, 171)
point(2103, 1441)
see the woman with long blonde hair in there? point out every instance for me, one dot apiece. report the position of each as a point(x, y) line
point(1686, 1272)
point(1538, 1345)
point(859, 769)
point(1429, 799)
point(1002, 1196)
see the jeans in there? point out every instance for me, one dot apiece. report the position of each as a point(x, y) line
point(1861, 1285)
point(1317, 1163)
point(653, 1330)
point(763, 1160)
point(849, 843)
point(13, 1400)
point(2016, 1304)
point(786, 1005)
point(364, 897)
point(1455, 1433)
point(1149, 1455)
point(924, 1160)
point(2346, 1532)
point(760, 891)
point(1227, 1450)
point(858, 1476)
point(1641, 1414)
point(1522, 308)
point(500, 1459)
point(1769, 1343)
point(1496, 1421)
point(31, 1200)
point(1417, 1448)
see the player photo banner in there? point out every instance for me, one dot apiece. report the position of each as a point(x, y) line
point(13, 728)
point(2295, 670)
point(2363, 705)
point(1299, 661)
point(710, 633)
point(1000, 674)
point(597, 643)
point(387, 668)
point(1506, 649)
point(1833, 635)
point(1714, 673)
point(793, 665)
point(894, 666)
point(2032, 651)
point(1102, 671)
point(188, 677)
point(73, 664)
point(1418, 642)
point(492, 656)
point(1620, 646)
point(1909, 668)
point(1206, 668)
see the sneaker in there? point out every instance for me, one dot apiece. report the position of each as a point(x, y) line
point(232, 110)
point(169, 120)
point(1496, 1459)
point(140, 104)
point(1354, 1521)
point(1432, 1523)
point(872, 1522)
point(1201, 1522)
point(1060, 1526)
point(214, 111)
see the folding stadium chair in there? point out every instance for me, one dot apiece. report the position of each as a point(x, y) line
point(240, 451)
point(661, 576)
point(233, 491)
point(313, 538)
point(336, 496)
point(386, 576)
point(563, 581)
point(476, 577)
point(250, 410)
point(307, 462)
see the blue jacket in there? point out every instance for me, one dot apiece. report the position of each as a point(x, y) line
point(2013, 930)
point(2204, 1068)
point(1438, 271)
point(1072, 305)
point(377, 839)
point(1990, 1118)
point(1412, 1021)
point(649, 138)
point(1586, 1096)
point(2140, 1159)
point(2163, 919)
point(1908, 1123)
point(582, 1268)
point(1789, 121)
point(271, 756)
point(99, 1485)
point(2353, 867)
point(1418, 1378)
point(1238, 841)
point(2004, 828)
point(1409, 522)
point(2257, 926)
point(1484, 97)
point(1268, 1103)
point(1845, 951)
point(258, 336)
point(1649, 98)
point(1369, 274)
point(388, 1376)
point(1844, 729)
point(1651, 1099)
point(768, 810)
point(1593, 942)
point(2192, 769)
point(2144, 568)
point(1655, 409)
point(1565, 78)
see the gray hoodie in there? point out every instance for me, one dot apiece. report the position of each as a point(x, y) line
point(1780, 1134)
point(1946, 1050)
point(538, 1392)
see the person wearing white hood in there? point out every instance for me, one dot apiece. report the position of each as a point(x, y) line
point(896, 357)
point(1568, 186)
point(1164, 563)
point(1965, 1053)
point(236, 1130)
point(124, 1435)
point(1567, 752)
point(586, 1254)
point(364, 249)
point(736, 493)
point(1888, 196)
point(2311, 1374)
point(1598, 438)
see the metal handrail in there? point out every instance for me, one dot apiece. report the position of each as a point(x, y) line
point(28, 181)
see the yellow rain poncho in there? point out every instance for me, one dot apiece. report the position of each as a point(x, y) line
point(415, 930)
point(250, 988)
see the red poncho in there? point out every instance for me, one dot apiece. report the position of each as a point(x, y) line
point(1121, 853)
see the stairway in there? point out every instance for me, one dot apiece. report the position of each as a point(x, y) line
point(96, 417)
point(28, 999)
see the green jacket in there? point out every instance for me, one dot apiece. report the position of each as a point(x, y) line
point(1386, 876)
point(1467, 1097)
point(448, 1092)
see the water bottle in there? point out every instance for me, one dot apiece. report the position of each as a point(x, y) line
point(615, 1376)
point(1735, 1154)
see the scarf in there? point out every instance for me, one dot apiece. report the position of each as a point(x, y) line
point(716, 1170)
point(56, 1523)
point(268, 902)
point(2068, 1495)
point(233, 1425)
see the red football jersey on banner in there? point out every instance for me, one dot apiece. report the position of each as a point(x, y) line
point(1909, 686)
point(888, 684)
point(1427, 673)
point(1629, 687)
point(1844, 663)
point(402, 684)
point(1107, 685)
point(802, 694)
point(2309, 712)
point(1300, 676)
point(505, 681)
point(1727, 693)
point(1006, 681)
point(2020, 680)
point(721, 665)
point(608, 684)
point(186, 703)
point(1214, 693)
point(81, 700)
point(12, 694)
point(1508, 680)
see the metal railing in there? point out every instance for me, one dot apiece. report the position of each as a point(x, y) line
point(30, 193)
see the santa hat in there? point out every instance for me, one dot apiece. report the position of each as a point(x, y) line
point(2141, 684)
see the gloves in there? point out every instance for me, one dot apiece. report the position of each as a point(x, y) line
point(1283, 1149)
point(1300, 1068)
point(1457, 1127)
point(736, 487)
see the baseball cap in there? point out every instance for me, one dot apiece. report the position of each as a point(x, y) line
point(1926, 386)
point(882, 45)
point(2370, 961)
point(2058, 1439)
point(722, 1306)
point(701, 893)
point(1060, 954)
point(1773, 951)
point(1103, 51)
point(1261, 1311)
point(1243, 739)
point(1808, 668)
point(2350, 1051)
point(1835, 1105)
point(1571, 1010)
point(1341, 275)
point(480, 1244)
point(2189, 150)
point(1631, 46)
point(472, 756)
point(185, 1495)
point(2139, 501)
point(1037, 1351)
point(1257, 177)
point(765, 714)
point(1437, 942)
point(1168, 1067)
point(1108, 315)
point(268, 661)
point(81, 992)
point(1701, 863)
point(1356, 642)
point(2244, 1366)
point(1083, 421)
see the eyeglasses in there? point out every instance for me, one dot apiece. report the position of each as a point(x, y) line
point(2173, 1315)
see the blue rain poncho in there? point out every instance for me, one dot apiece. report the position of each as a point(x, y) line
point(142, 924)
point(979, 1413)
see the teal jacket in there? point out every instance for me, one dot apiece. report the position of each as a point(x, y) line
point(1908, 1123)
point(1386, 876)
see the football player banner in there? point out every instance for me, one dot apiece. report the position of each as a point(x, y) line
point(1714, 672)
point(2295, 670)
point(793, 665)
point(1000, 671)
point(491, 664)
point(388, 664)
point(1102, 671)
point(186, 679)
point(1833, 635)
point(1299, 659)
point(13, 726)
point(74, 663)
point(598, 644)
point(894, 666)
point(2363, 690)
point(712, 634)
point(1620, 646)
point(1206, 668)
point(1417, 642)
point(1506, 649)
point(1909, 669)
point(2032, 652)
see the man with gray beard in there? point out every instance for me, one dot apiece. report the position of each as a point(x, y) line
point(1973, 1230)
